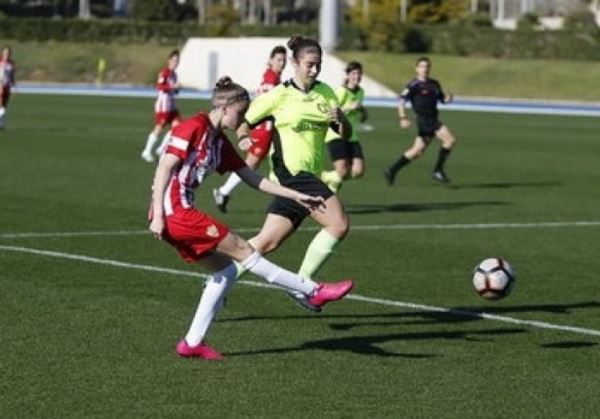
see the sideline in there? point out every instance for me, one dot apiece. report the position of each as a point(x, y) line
point(378, 301)
point(518, 106)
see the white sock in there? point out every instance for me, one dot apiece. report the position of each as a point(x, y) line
point(2, 116)
point(163, 145)
point(232, 182)
point(211, 302)
point(274, 274)
point(152, 137)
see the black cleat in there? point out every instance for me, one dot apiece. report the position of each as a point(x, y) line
point(440, 176)
point(389, 177)
point(220, 200)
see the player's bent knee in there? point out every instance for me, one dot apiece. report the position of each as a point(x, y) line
point(339, 228)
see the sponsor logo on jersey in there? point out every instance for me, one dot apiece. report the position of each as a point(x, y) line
point(310, 126)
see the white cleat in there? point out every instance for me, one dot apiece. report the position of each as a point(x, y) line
point(147, 156)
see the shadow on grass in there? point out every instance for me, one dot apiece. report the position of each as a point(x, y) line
point(367, 345)
point(504, 185)
point(454, 315)
point(568, 345)
point(433, 206)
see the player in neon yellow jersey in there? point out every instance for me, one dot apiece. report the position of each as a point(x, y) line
point(302, 110)
point(347, 156)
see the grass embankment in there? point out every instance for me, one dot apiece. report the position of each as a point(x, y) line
point(466, 76)
point(474, 76)
point(75, 63)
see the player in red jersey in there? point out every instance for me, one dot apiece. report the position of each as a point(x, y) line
point(165, 110)
point(7, 81)
point(259, 143)
point(197, 148)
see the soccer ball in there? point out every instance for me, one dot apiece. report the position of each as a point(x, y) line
point(493, 278)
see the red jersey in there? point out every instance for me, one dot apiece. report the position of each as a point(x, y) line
point(7, 73)
point(203, 150)
point(167, 87)
point(270, 80)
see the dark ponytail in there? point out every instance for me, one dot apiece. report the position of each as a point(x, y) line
point(301, 45)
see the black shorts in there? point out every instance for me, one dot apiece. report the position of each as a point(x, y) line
point(306, 183)
point(344, 150)
point(428, 126)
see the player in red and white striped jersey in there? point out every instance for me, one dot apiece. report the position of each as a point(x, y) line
point(165, 110)
point(259, 143)
point(197, 148)
point(7, 81)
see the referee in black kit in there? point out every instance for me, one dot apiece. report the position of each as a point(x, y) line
point(424, 93)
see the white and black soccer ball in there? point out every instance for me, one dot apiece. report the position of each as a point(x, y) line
point(493, 278)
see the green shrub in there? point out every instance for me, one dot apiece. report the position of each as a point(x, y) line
point(528, 22)
point(583, 19)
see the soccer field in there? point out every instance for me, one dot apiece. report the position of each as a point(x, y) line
point(91, 306)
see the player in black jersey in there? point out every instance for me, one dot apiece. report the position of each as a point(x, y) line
point(424, 93)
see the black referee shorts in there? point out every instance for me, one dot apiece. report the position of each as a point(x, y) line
point(303, 182)
point(428, 126)
point(344, 150)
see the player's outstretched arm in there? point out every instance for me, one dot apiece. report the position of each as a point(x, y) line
point(164, 171)
point(263, 184)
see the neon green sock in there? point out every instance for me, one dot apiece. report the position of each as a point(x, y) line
point(240, 270)
point(319, 249)
point(332, 179)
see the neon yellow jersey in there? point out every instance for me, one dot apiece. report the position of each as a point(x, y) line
point(346, 97)
point(300, 123)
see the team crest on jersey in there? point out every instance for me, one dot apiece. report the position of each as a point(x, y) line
point(212, 231)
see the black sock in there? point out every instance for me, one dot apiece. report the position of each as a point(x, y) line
point(442, 156)
point(402, 161)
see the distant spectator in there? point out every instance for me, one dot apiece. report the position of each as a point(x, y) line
point(7, 81)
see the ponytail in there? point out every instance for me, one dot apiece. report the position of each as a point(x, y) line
point(227, 92)
point(301, 45)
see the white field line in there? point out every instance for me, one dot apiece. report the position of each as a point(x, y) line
point(375, 227)
point(378, 301)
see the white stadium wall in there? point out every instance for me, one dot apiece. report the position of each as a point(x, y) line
point(204, 60)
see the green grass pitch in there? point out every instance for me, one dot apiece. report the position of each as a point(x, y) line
point(83, 339)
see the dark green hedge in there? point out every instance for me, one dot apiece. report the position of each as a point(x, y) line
point(466, 39)
point(568, 44)
point(75, 30)
point(471, 40)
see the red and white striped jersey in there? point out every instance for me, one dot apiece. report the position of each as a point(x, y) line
point(203, 150)
point(270, 80)
point(7, 73)
point(167, 87)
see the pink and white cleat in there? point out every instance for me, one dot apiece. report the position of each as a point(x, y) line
point(201, 351)
point(327, 292)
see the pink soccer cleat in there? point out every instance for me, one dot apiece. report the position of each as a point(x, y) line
point(327, 292)
point(201, 351)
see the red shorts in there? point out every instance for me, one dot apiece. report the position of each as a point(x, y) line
point(163, 118)
point(4, 97)
point(261, 139)
point(193, 233)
